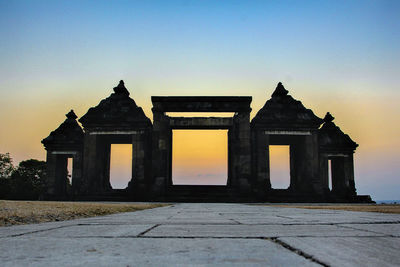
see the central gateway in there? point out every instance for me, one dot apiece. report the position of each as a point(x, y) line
point(239, 146)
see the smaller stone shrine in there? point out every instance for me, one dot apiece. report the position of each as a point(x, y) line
point(313, 143)
point(63, 143)
point(338, 147)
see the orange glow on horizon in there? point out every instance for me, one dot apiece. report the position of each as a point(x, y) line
point(120, 165)
point(199, 156)
point(279, 163)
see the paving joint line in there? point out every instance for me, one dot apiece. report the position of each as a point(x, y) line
point(233, 220)
point(38, 231)
point(366, 230)
point(148, 230)
point(384, 222)
point(207, 237)
point(285, 217)
point(297, 251)
point(174, 237)
point(235, 223)
point(249, 237)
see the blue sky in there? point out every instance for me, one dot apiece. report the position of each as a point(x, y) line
point(150, 38)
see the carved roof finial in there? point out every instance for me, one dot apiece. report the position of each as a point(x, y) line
point(328, 117)
point(120, 89)
point(280, 90)
point(71, 115)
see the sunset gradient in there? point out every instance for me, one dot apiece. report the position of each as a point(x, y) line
point(200, 157)
point(336, 56)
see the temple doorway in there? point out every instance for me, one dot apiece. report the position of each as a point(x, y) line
point(200, 157)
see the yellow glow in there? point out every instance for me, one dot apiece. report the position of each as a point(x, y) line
point(367, 112)
point(200, 114)
point(120, 165)
point(70, 169)
point(199, 156)
point(279, 162)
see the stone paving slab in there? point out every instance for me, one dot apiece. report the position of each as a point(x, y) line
point(95, 231)
point(349, 251)
point(387, 229)
point(17, 230)
point(347, 218)
point(28, 251)
point(190, 234)
point(254, 231)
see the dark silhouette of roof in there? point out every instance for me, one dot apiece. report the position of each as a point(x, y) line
point(332, 138)
point(118, 111)
point(282, 111)
point(68, 135)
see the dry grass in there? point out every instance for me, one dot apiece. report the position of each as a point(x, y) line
point(382, 208)
point(25, 212)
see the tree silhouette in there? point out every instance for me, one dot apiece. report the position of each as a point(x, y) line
point(27, 181)
point(6, 169)
point(6, 166)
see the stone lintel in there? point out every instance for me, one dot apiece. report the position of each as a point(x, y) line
point(115, 132)
point(336, 150)
point(337, 155)
point(64, 152)
point(200, 122)
point(201, 103)
point(288, 132)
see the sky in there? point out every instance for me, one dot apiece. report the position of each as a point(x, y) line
point(336, 56)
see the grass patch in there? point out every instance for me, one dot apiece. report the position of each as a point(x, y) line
point(26, 212)
point(382, 208)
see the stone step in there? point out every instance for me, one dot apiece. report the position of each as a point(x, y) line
point(200, 193)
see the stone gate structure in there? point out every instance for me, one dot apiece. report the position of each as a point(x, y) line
point(282, 121)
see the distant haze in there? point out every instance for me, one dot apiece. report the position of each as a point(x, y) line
point(200, 157)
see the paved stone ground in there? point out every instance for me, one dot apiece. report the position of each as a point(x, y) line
point(209, 234)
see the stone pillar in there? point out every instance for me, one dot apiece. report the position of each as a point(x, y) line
point(260, 159)
point(307, 159)
point(294, 162)
point(147, 142)
point(298, 167)
point(160, 153)
point(104, 159)
point(91, 179)
point(61, 176)
point(137, 158)
point(232, 171)
point(242, 152)
point(338, 176)
point(324, 172)
point(96, 165)
point(138, 182)
point(343, 176)
point(51, 160)
point(349, 175)
point(77, 173)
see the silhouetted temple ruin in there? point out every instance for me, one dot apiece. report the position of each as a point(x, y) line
point(281, 121)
